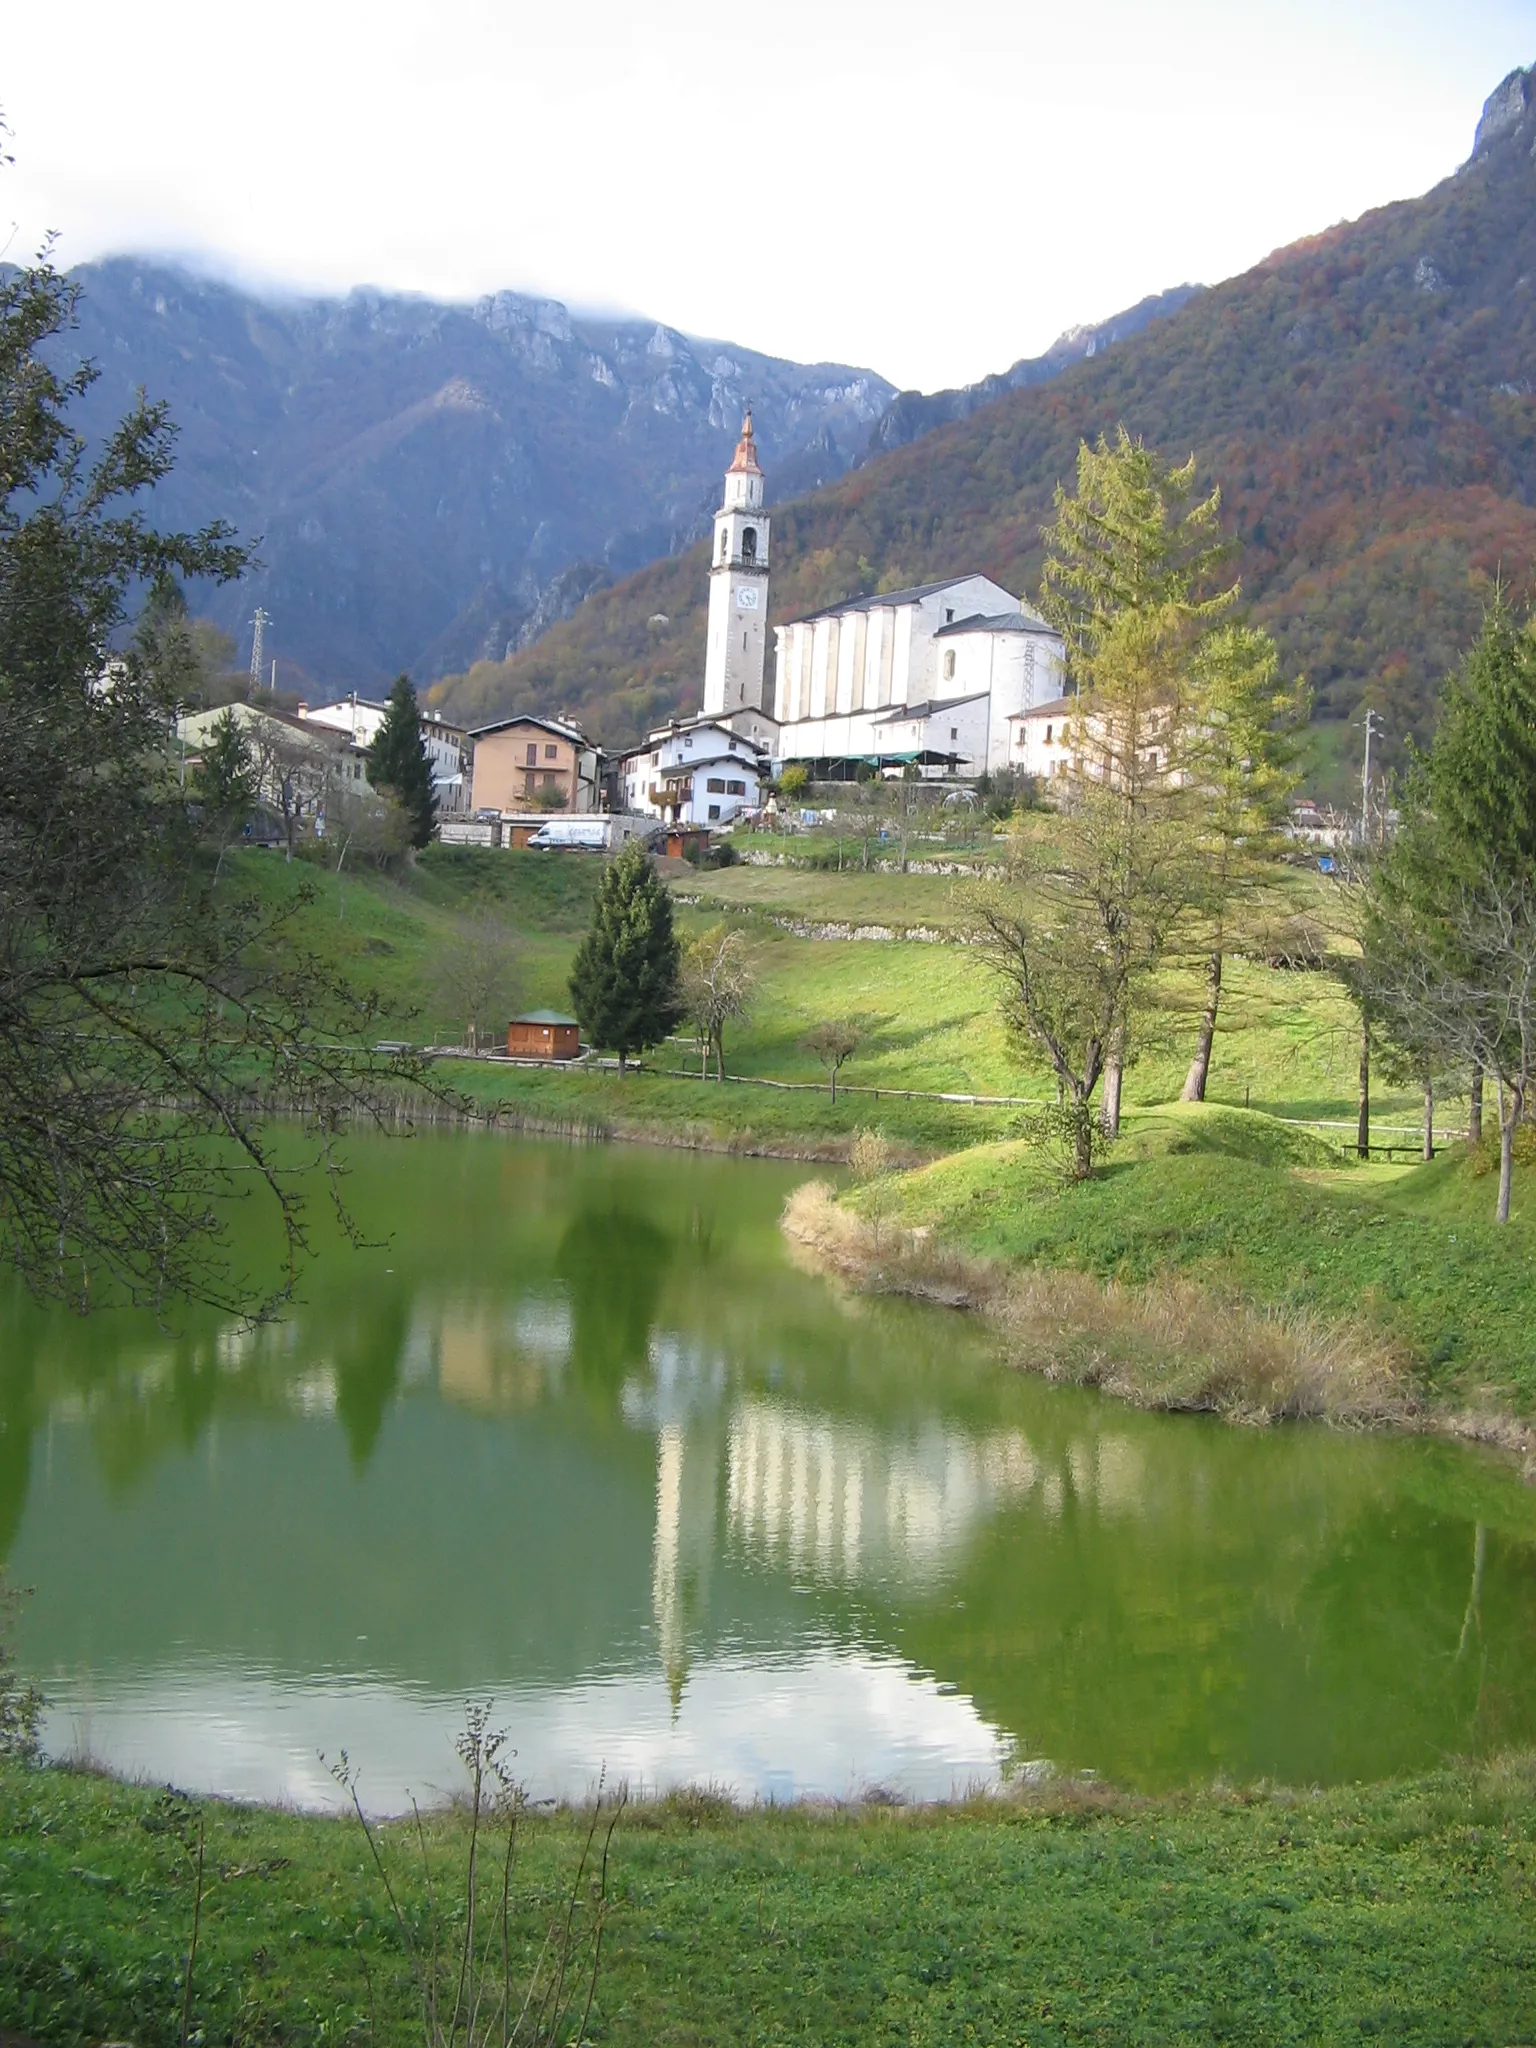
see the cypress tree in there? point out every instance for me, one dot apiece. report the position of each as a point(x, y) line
point(397, 762)
point(624, 983)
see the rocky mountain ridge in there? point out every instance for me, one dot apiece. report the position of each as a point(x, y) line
point(429, 484)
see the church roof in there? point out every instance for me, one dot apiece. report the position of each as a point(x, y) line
point(999, 622)
point(914, 595)
point(929, 708)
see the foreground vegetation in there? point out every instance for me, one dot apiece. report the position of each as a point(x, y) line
point(1400, 1912)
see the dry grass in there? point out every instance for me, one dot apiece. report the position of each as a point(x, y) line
point(1171, 1344)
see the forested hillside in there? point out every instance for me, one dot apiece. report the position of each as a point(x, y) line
point(1365, 398)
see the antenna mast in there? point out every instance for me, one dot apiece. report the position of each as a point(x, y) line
point(1372, 730)
point(261, 621)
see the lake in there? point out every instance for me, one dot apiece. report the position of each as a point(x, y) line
point(576, 1434)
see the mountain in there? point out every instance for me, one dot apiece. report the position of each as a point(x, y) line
point(432, 483)
point(1364, 397)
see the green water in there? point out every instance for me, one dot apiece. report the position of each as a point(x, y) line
point(581, 1438)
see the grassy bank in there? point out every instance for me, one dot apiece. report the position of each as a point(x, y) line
point(1399, 1912)
point(927, 1013)
point(1226, 1261)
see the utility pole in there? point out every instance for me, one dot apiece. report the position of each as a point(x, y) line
point(261, 621)
point(1372, 730)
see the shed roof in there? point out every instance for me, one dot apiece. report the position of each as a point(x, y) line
point(543, 1017)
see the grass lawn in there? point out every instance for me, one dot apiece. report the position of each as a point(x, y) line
point(1263, 1210)
point(928, 1012)
point(1397, 1912)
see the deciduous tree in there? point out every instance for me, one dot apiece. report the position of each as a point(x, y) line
point(717, 988)
point(834, 1042)
point(141, 1007)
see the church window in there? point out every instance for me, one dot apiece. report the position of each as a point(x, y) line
point(749, 544)
point(949, 664)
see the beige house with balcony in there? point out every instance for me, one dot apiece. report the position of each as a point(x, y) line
point(528, 763)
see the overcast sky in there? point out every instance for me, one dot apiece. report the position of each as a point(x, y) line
point(932, 188)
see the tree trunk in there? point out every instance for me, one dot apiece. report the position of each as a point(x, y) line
point(1200, 1065)
point(1114, 1072)
point(1363, 1124)
point(1082, 1136)
point(1475, 1108)
point(832, 1077)
point(1510, 1110)
point(1429, 1118)
point(720, 1055)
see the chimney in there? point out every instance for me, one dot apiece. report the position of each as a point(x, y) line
point(303, 711)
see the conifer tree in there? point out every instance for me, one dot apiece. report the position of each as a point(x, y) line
point(624, 982)
point(226, 782)
point(1131, 580)
point(1449, 935)
point(398, 763)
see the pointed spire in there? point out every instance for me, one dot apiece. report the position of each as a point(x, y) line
point(745, 458)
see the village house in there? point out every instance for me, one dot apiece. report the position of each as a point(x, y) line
point(530, 764)
point(446, 745)
point(296, 762)
point(697, 772)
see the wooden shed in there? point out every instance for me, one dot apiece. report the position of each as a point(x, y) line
point(543, 1035)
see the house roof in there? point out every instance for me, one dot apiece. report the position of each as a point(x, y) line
point(564, 732)
point(999, 622)
point(543, 1017)
point(1052, 708)
point(929, 708)
point(913, 595)
point(709, 761)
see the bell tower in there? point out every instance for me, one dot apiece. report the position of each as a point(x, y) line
point(738, 589)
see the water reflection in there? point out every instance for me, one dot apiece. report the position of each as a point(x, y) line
point(582, 1438)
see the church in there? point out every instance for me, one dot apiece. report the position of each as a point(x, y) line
point(940, 678)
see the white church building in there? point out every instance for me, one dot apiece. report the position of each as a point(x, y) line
point(940, 677)
point(935, 675)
